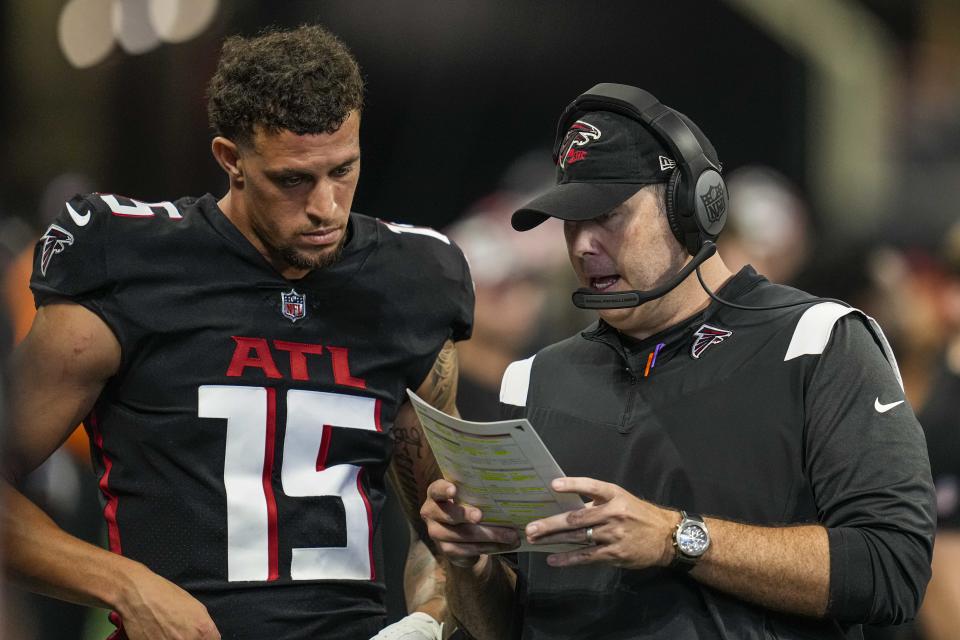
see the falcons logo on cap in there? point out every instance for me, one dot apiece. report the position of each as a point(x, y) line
point(706, 336)
point(580, 134)
point(55, 240)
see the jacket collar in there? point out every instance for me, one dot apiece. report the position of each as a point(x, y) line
point(663, 346)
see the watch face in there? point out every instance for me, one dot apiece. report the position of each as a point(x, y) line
point(692, 540)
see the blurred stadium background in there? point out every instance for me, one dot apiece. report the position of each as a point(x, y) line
point(837, 121)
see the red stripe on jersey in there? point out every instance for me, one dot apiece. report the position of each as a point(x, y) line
point(272, 544)
point(366, 503)
point(133, 215)
point(324, 448)
point(376, 415)
point(110, 510)
point(119, 634)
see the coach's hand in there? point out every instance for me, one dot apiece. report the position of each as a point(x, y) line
point(454, 527)
point(626, 531)
point(154, 608)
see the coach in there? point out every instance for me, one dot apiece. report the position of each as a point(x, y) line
point(752, 467)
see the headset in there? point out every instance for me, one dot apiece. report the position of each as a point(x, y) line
point(696, 195)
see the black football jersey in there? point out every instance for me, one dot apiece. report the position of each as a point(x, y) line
point(241, 447)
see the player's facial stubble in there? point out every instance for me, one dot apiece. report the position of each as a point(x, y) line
point(298, 192)
point(286, 253)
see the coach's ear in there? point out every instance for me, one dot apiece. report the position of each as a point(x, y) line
point(227, 155)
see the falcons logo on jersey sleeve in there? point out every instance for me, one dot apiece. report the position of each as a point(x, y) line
point(706, 336)
point(55, 240)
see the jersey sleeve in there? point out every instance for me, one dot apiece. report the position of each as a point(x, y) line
point(866, 460)
point(436, 295)
point(441, 273)
point(463, 298)
point(69, 260)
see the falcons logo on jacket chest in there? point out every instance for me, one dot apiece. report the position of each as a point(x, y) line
point(705, 337)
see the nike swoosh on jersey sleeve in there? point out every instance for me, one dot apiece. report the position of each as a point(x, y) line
point(81, 220)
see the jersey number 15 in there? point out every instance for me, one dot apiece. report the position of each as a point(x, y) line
point(250, 412)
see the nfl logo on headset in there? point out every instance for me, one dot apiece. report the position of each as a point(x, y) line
point(293, 305)
point(713, 202)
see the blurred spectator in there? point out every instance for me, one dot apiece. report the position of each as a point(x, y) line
point(517, 277)
point(12, 625)
point(6, 630)
point(511, 273)
point(930, 126)
point(768, 225)
point(930, 292)
point(940, 417)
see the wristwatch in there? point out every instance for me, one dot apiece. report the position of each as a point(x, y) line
point(690, 541)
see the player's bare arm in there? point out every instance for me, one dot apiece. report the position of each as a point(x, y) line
point(412, 469)
point(413, 466)
point(61, 368)
point(782, 568)
point(477, 588)
point(480, 587)
point(424, 581)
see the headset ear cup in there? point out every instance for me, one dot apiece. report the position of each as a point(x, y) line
point(673, 216)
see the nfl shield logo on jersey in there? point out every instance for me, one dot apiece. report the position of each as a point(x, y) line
point(293, 305)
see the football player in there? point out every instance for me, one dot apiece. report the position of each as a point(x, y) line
point(240, 364)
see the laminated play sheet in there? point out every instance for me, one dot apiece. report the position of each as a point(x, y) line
point(502, 468)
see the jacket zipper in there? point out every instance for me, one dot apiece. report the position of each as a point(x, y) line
point(625, 427)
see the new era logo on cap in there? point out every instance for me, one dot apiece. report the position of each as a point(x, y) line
point(666, 163)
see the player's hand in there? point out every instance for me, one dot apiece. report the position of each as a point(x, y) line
point(454, 527)
point(156, 609)
point(416, 626)
point(626, 531)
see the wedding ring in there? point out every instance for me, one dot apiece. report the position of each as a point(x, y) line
point(589, 533)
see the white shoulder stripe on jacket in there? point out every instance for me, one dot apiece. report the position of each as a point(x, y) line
point(516, 382)
point(812, 333)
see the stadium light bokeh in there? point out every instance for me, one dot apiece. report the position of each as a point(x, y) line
point(89, 30)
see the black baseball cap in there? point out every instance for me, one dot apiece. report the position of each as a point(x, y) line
point(604, 159)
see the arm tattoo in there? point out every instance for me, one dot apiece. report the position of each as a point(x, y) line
point(413, 467)
point(440, 389)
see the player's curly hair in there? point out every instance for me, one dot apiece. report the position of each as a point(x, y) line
point(304, 80)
